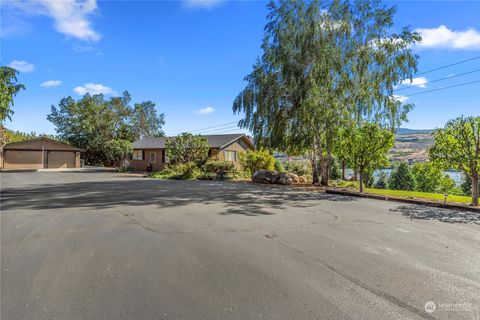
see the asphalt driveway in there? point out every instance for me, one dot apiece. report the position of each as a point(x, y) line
point(107, 246)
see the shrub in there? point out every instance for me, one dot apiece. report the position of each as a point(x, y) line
point(335, 173)
point(368, 178)
point(401, 178)
point(279, 166)
point(382, 181)
point(446, 184)
point(181, 171)
point(300, 168)
point(208, 176)
point(257, 160)
point(187, 148)
point(218, 166)
point(116, 151)
point(427, 176)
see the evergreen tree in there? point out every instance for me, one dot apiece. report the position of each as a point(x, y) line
point(382, 181)
point(402, 178)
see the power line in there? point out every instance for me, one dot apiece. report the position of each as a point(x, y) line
point(223, 130)
point(218, 129)
point(448, 65)
point(220, 125)
point(431, 81)
point(444, 88)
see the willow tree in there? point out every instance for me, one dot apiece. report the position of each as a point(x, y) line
point(324, 65)
point(9, 87)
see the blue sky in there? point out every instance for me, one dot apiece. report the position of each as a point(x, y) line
point(190, 57)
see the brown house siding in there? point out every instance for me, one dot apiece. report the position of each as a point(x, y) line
point(142, 165)
point(241, 144)
point(237, 148)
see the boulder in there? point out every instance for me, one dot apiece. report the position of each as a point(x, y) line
point(294, 177)
point(284, 178)
point(265, 176)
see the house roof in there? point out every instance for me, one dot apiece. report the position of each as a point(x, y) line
point(214, 140)
point(46, 143)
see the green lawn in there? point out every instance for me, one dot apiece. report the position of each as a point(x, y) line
point(417, 194)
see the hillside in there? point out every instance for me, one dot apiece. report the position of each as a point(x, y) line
point(411, 145)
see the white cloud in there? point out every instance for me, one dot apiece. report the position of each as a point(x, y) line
point(51, 83)
point(71, 17)
point(445, 38)
point(400, 98)
point(22, 66)
point(94, 88)
point(206, 110)
point(202, 4)
point(420, 82)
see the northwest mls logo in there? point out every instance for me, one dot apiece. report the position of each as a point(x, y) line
point(430, 306)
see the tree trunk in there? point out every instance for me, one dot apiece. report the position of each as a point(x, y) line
point(343, 170)
point(325, 167)
point(315, 175)
point(361, 180)
point(475, 189)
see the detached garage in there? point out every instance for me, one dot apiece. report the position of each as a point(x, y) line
point(39, 153)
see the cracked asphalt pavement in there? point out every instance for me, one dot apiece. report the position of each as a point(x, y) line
point(97, 245)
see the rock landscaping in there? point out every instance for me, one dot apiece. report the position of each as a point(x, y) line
point(274, 177)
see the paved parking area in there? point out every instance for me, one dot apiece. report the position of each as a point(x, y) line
point(108, 246)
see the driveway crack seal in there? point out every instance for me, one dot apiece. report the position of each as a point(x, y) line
point(363, 285)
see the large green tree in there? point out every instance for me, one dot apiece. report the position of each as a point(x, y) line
point(457, 146)
point(90, 122)
point(366, 148)
point(325, 64)
point(146, 122)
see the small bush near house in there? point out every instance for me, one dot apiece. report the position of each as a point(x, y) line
point(256, 160)
point(279, 166)
point(181, 171)
point(208, 176)
point(217, 166)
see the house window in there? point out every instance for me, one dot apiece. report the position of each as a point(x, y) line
point(153, 157)
point(137, 155)
point(230, 155)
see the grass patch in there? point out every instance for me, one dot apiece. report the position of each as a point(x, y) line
point(418, 194)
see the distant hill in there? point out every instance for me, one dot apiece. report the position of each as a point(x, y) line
point(402, 131)
point(411, 145)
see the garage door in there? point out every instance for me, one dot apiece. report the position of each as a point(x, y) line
point(22, 159)
point(61, 159)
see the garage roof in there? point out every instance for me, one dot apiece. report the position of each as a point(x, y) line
point(41, 143)
point(214, 140)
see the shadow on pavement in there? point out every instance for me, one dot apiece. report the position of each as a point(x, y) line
point(237, 198)
point(435, 213)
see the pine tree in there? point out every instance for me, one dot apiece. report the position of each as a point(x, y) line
point(402, 178)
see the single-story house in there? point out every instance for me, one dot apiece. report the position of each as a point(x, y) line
point(151, 151)
point(39, 153)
